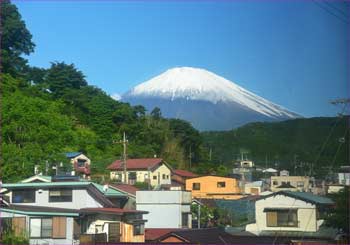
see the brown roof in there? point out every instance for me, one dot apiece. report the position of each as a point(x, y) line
point(130, 189)
point(111, 211)
point(184, 173)
point(141, 163)
point(152, 234)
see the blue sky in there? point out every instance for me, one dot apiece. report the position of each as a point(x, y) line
point(294, 53)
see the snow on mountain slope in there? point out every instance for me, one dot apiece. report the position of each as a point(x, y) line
point(201, 85)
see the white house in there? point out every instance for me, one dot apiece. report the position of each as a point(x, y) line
point(289, 211)
point(64, 210)
point(166, 209)
point(148, 170)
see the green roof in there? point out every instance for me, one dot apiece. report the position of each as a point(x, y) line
point(110, 191)
point(48, 178)
point(307, 196)
point(38, 213)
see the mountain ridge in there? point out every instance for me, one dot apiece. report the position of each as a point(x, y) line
point(185, 85)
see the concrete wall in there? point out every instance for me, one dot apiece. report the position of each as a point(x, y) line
point(306, 214)
point(69, 230)
point(293, 181)
point(80, 199)
point(165, 208)
point(209, 187)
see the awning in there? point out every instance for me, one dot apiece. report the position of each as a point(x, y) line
point(278, 209)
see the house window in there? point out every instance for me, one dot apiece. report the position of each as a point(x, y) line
point(40, 227)
point(154, 176)
point(275, 182)
point(221, 184)
point(132, 175)
point(60, 195)
point(184, 219)
point(163, 176)
point(196, 186)
point(23, 196)
point(139, 229)
point(167, 176)
point(300, 184)
point(81, 163)
point(282, 218)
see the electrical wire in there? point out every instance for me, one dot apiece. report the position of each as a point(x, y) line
point(341, 18)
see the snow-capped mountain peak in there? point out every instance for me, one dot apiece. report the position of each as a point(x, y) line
point(201, 85)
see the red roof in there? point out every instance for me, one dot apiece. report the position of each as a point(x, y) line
point(125, 188)
point(141, 163)
point(111, 210)
point(152, 234)
point(184, 173)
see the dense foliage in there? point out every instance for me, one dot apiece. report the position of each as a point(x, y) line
point(46, 112)
point(299, 145)
point(340, 217)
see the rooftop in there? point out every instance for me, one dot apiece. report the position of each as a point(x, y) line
point(130, 189)
point(305, 196)
point(184, 173)
point(72, 154)
point(109, 192)
point(112, 211)
point(140, 163)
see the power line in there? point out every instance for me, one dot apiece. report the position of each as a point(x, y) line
point(341, 18)
point(336, 9)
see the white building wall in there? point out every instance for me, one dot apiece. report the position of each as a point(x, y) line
point(80, 199)
point(165, 208)
point(344, 178)
point(306, 214)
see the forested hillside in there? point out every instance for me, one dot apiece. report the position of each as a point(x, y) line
point(319, 141)
point(46, 112)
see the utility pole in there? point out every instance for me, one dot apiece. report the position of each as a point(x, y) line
point(125, 143)
point(210, 152)
point(190, 156)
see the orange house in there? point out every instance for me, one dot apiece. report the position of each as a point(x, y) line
point(214, 187)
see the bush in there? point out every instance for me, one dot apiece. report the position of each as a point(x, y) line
point(11, 238)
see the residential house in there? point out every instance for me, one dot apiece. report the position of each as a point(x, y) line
point(154, 171)
point(130, 191)
point(344, 175)
point(179, 177)
point(80, 163)
point(254, 188)
point(214, 187)
point(288, 211)
point(166, 209)
point(64, 210)
point(291, 183)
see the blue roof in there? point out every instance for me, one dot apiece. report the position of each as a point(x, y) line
point(72, 154)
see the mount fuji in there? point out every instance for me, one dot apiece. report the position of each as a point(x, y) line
point(208, 101)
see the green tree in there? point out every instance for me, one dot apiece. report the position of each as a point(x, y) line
point(15, 39)
point(339, 217)
point(61, 77)
point(156, 113)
